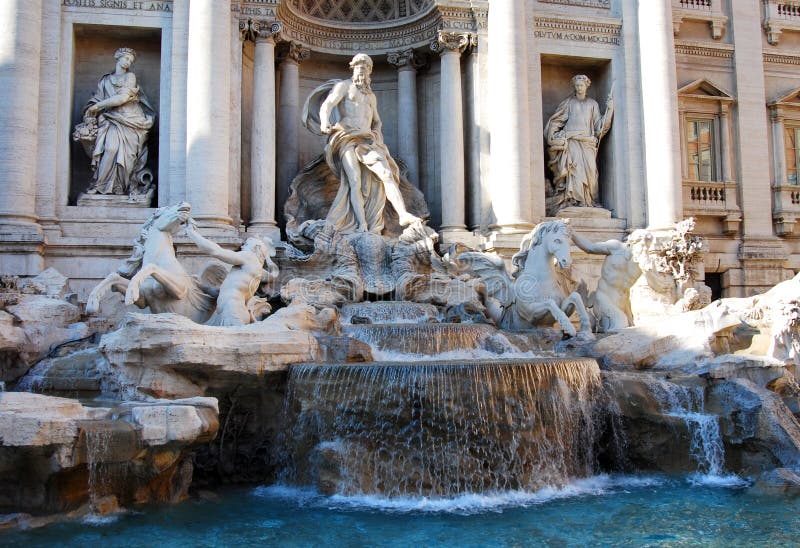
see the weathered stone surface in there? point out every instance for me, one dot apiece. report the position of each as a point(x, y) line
point(167, 355)
point(82, 370)
point(635, 347)
point(760, 432)
point(760, 370)
point(54, 282)
point(56, 454)
point(649, 439)
point(781, 481)
point(33, 325)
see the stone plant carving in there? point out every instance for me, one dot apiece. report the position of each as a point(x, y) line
point(153, 277)
point(116, 123)
point(671, 266)
point(611, 303)
point(237, 303)
point(573, 134)
point(346, 111)
point(533, 295)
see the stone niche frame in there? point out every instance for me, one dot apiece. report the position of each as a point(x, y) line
point(107, 222)
point(702, 99)
point(93, 51)
point(784, 112)
point(557, 73)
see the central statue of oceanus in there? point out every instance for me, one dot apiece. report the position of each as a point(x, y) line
point(534, 294)
point(371, 195)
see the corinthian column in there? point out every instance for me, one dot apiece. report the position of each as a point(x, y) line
point(450, 46)
point(262, 155)
point(207, 113)
point(509, 122)
point(289, 117)
point(407, 136)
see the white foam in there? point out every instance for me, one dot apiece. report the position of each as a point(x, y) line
point(717, 480)
point(98, 520)
point(468, 503)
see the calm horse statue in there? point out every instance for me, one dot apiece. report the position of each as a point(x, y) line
point(152, 276)
point(534, 294)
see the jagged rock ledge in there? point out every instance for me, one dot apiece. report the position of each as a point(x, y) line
point(58, 454)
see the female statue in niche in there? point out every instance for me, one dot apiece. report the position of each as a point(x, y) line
point(573, 135)
point(116, 123)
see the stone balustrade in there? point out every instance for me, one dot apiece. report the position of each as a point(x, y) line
point(786, 210)
point(713, 199)
point(780, 16)
point(709, 11)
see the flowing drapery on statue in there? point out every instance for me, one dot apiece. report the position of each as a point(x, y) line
point(368, 148)
point(117, 121)
point(573, 134)
point(346, 111)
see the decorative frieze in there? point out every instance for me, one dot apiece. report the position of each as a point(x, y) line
point(590, 32)
point(354, 39)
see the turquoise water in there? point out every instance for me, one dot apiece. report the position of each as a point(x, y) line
point(603, 510)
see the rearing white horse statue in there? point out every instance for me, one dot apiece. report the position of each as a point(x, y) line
point(153, 277)
point(532, 295)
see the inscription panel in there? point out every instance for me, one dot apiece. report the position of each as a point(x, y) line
point(130, 5)
point(590, 32)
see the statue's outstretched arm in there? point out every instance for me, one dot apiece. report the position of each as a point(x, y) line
point(594, 248)
point(212, 248)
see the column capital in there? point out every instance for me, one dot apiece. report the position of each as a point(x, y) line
point(260, 30)
point(407, 59)
point(294, 52)
point(454, 42)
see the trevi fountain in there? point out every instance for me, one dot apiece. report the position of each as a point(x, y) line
point(357, 373)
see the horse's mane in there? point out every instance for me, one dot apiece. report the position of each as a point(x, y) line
point(534, 239)
point(132, 264)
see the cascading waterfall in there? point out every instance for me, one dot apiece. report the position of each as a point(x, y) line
point(688, 403)
point(390, 312)
point(98, 447)
point(427, 339)
point(440, 428)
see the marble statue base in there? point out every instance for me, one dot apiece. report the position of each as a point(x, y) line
point(594, 222)
point(116, 200)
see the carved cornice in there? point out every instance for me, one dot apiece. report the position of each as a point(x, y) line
point(292, 51)
point(704, 49)
point(407, 59)
point(782, 58)
point(257, 30)
point(456, 42)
